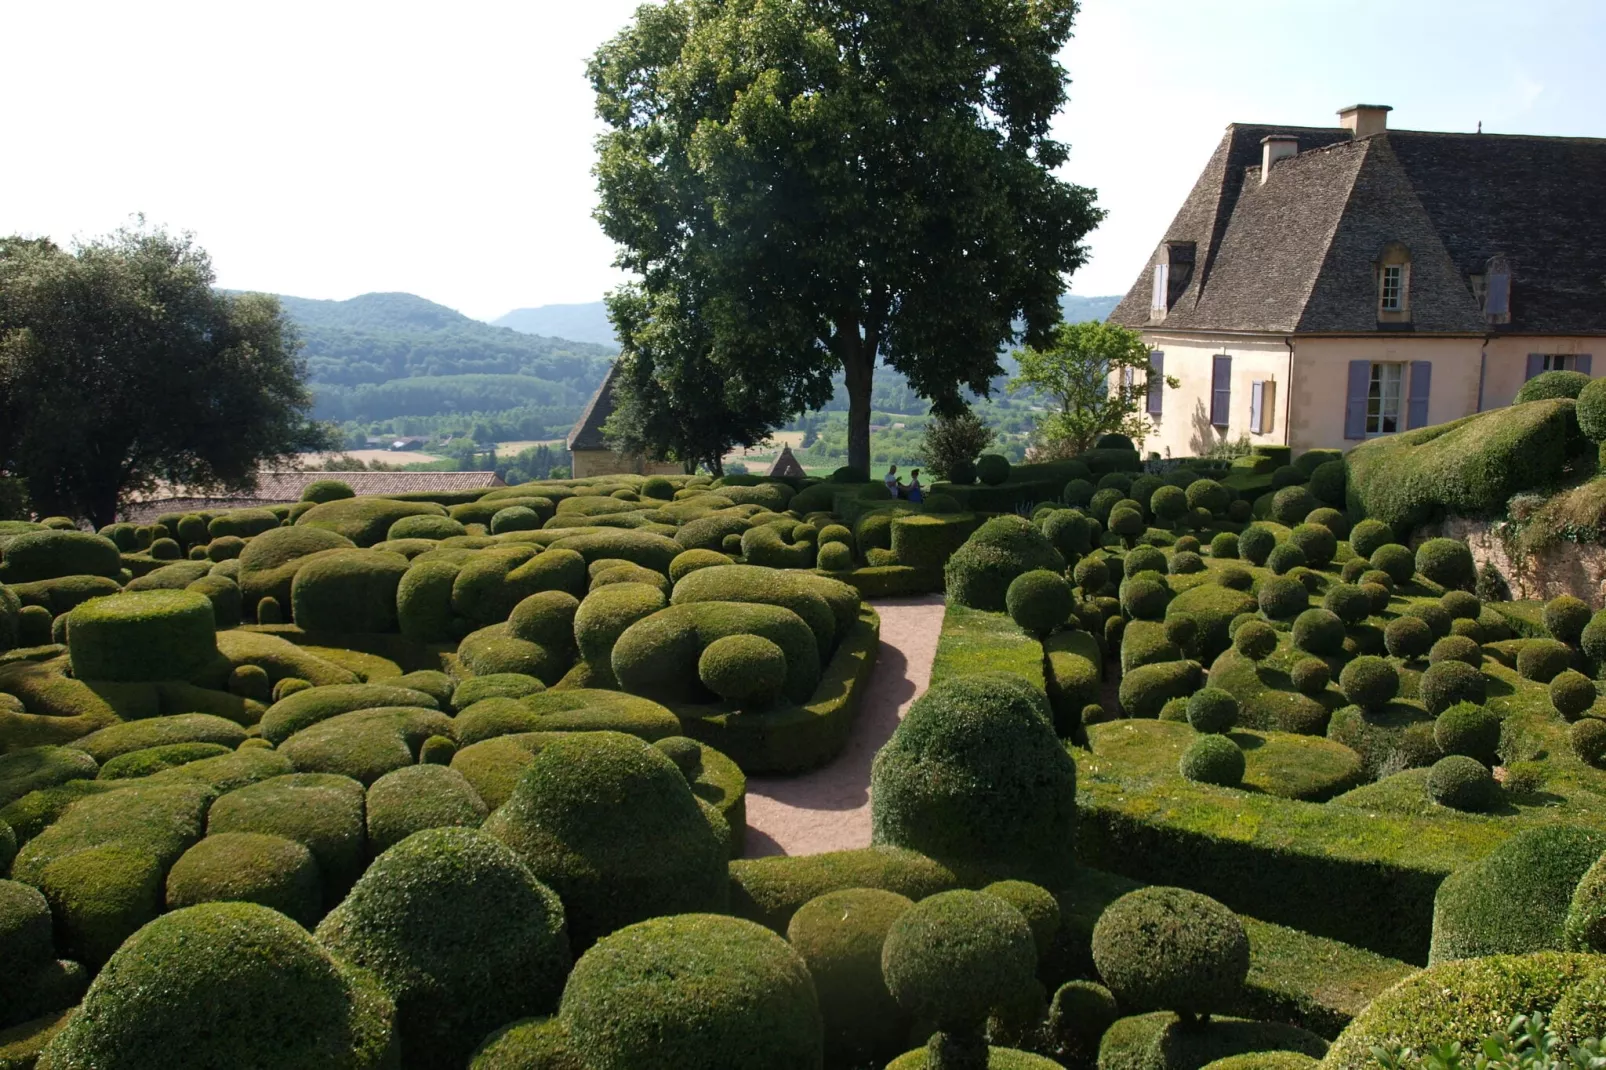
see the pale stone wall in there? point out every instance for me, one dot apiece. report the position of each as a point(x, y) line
point(590, 463)
point(1321, 381)
point(1507, 366)
point(1562, 568)
point(1183, 427)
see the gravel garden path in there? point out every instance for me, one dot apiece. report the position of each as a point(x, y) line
point(829, 809)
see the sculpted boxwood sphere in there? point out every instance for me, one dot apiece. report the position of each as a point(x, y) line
point(1350, 603)
point(1145, 596)
point(1587, 737)
point(1143, 559)
point(1092, 575)
point(1318, 631)
point(1310, 675)
point(953, 956)
point(1255, 544)
point(738, 668)
point(840, 935)
point(1447, 562)
point(1408, 638)
point(1211, 709)
point(1039, 601)
point(1396, 560)
point(1212, 759)
point(1316, 542)
point(1461, 605)
point(1162, 948)
point(1255, 639)
point(1456, 648)
point(1224, 545)
point(1566, 617)
point(1572, 694)
point(1542, 660)
point(1450, 682)
point(1283, 597)
point(1284, 558)
point(1469, 730)
point(1369, 682)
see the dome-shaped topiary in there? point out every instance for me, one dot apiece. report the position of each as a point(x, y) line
point(1069, 531)
point(1461, 605)
point(978, 574)
point(1078, 493)
point(1283, 597)
point(1368, 535)
point(609, 823)
point(1213, 759)
point(248, 867)
point(840, 935)
point(1255, 544)
point(1591, 410)
point(1469, 730)
point(1572, 694)
point(1395, 560)
point(142, 635)
point(515, 518)
point(1284, 558)
point(1143, 559)
point(1092, 575)
point(1127, 523)
point(1542, 660)
point(1234, 578)
point(1455, 648)
point(1450, 682)
point(1168, 504)
point(1328, 482)
point(1587, 737)
point(1145, 596)
point(1224, 545)
point(1310, 676)
point(1040, 909)
point(974, 775)
point(1407, 638)
point(992, 469)
point(1585, 927)
point(1162, 948)
point(173, 995)
point(1320, 632)
point(1210, 495)
point(1552, 384)
point(1349, 603)
point(1447, 562)
point(1212, 710)
point(1185, 563)
point(1286, 475)
point(693, 990)
point(743, 669)
point(326, 490)
point(1316, 542)
point(1290, 505)
point(954, 956)
point(459, 933)
point(1566, 617)
point(1369, 682)
point(1039, 601)
point(1255, 640)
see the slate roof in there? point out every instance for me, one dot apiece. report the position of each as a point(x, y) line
point(587, 431)
point(279, 488)
point(1296, 254)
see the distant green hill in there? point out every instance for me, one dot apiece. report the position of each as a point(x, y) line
point(386, 355)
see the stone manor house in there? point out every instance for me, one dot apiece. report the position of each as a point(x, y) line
point(1320, 286)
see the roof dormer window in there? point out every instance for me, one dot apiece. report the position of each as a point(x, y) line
point(1497, 290)
point(1172, 272)
point(1393, 267)
point(1393, 297)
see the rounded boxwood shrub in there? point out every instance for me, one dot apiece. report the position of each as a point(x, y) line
point(174, 995)
point(1210, 495)
point(1461, 605)
point(606, 613)
point(1407, 637)
point(1396, 561)
point(1316, 542)
point(1145, 596)
point(1224, 545)
point(1553, 384)
point(418, 797)
point(743, 668)
point(953, 956)
point(142, 635)
point(1328, 482)
point(1103, 502)
point(47, 554)
point(1572, 694)
point(1514, 899)
point(979, 573)
point(459, 934)
point(1354, 569)
point(1331, 519)
point(1186, 562)
point(1585, 927)
point(1450, 682)
point(1542, 660)
point(1320, 632)
point(1581, 1013)
point(326, 490)
point(1455, 648)
point(1283, 597)
point(974, 775)
point(612, 863)
point(1566, 618)
point(1161, 948)
point(1286, 475)
point(249, 867)
point(1078, 493)
point(1143, 559)
point(1462, 783)
point(693, 990)
point(515, 518)
point(1121, 481)
point(1587, 737)
point(690, 561)
point(143, 763)
point(1284, 558)
point(1234, 578)
point(1255, 640)
point(1368, 535)
point(1310, 676)
point(840, 935)
point(1127, 523)
point(1447, 562)
point(1092, 575)
point(1468, 730)
point(1069, 531)
point(1290, 505)
point(992, 469)
point(1210, 709)
point(1039, 601)
point(1035, 903)
point(1213, 760)
point(1255, 544)
point(1369, 682)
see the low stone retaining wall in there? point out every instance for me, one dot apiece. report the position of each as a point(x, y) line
point(1562, 568)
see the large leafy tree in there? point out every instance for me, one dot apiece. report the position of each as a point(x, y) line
point(122, 368)
point(844, 182)
point(1098, 376)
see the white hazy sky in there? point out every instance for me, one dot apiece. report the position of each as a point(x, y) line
point(334, 148)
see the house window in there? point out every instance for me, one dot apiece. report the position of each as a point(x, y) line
point(1558, 362)
point(1162, 275)
point(1393, 287)
point(1383, 399)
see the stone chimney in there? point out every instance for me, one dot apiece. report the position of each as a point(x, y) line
point(1364, 120)
point(1273, 148)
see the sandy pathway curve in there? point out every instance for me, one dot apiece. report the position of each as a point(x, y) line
point(829, 809)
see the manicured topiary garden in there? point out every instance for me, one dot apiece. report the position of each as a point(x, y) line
point(1210, 764)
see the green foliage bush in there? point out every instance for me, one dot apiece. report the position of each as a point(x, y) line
point(605, 614)
point(249, 867)
point(1283, 597)
point(1462, 783)
point(612, 864)
point(1454, 648)
point(1319, 631)
point(326, 490)
point(839, 936)
point(1565, 618)
point(657, 656)
point(1450, 682)
point(1447, 562)
point(353, 591)
point(1171, 949)
point(142, 763)
point(992, 469)
point(365, 744)
point(419, 797)
point(174, 994)
point(1548, 385)
point(321, 811)
point(979, 573)
point(365, 521)
point(1470, 730)
point(697, 990)
point(1542, 660)
point(1572, 694)
point(1316, 542)
point(46, 554)
point(1146, 689)
point(1587, 738)
point(310, 706)
point(1212, 710)
point(1213, 760)
point(1369, 682)
point(1256, 543)
point(1310, 676)
point(745, 669)
point(1255, 640)
point(1585, 927)
point(952, 957)
point(1514, 899)
point(1408, 638)
point(1145, 596)
point(1004, 801)
point(1291, 505)
point(142, 635)
point(459, 934)
point(769, 545)
point(1396, 561)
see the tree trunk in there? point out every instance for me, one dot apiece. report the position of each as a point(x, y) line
point(858, 366)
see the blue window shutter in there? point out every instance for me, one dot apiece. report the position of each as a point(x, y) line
point(1584, 363)
point(1156, 382)
point(1416, 410)
point(1220, 390)
point(1360, 384)
point(1536, 364)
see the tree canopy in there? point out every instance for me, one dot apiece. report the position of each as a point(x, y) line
point(1097, 375)
point(121, 367)
point(839, 181)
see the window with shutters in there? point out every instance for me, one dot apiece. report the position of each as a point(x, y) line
point(1558, 362)
point(1262, 405)
point(1383, 399)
